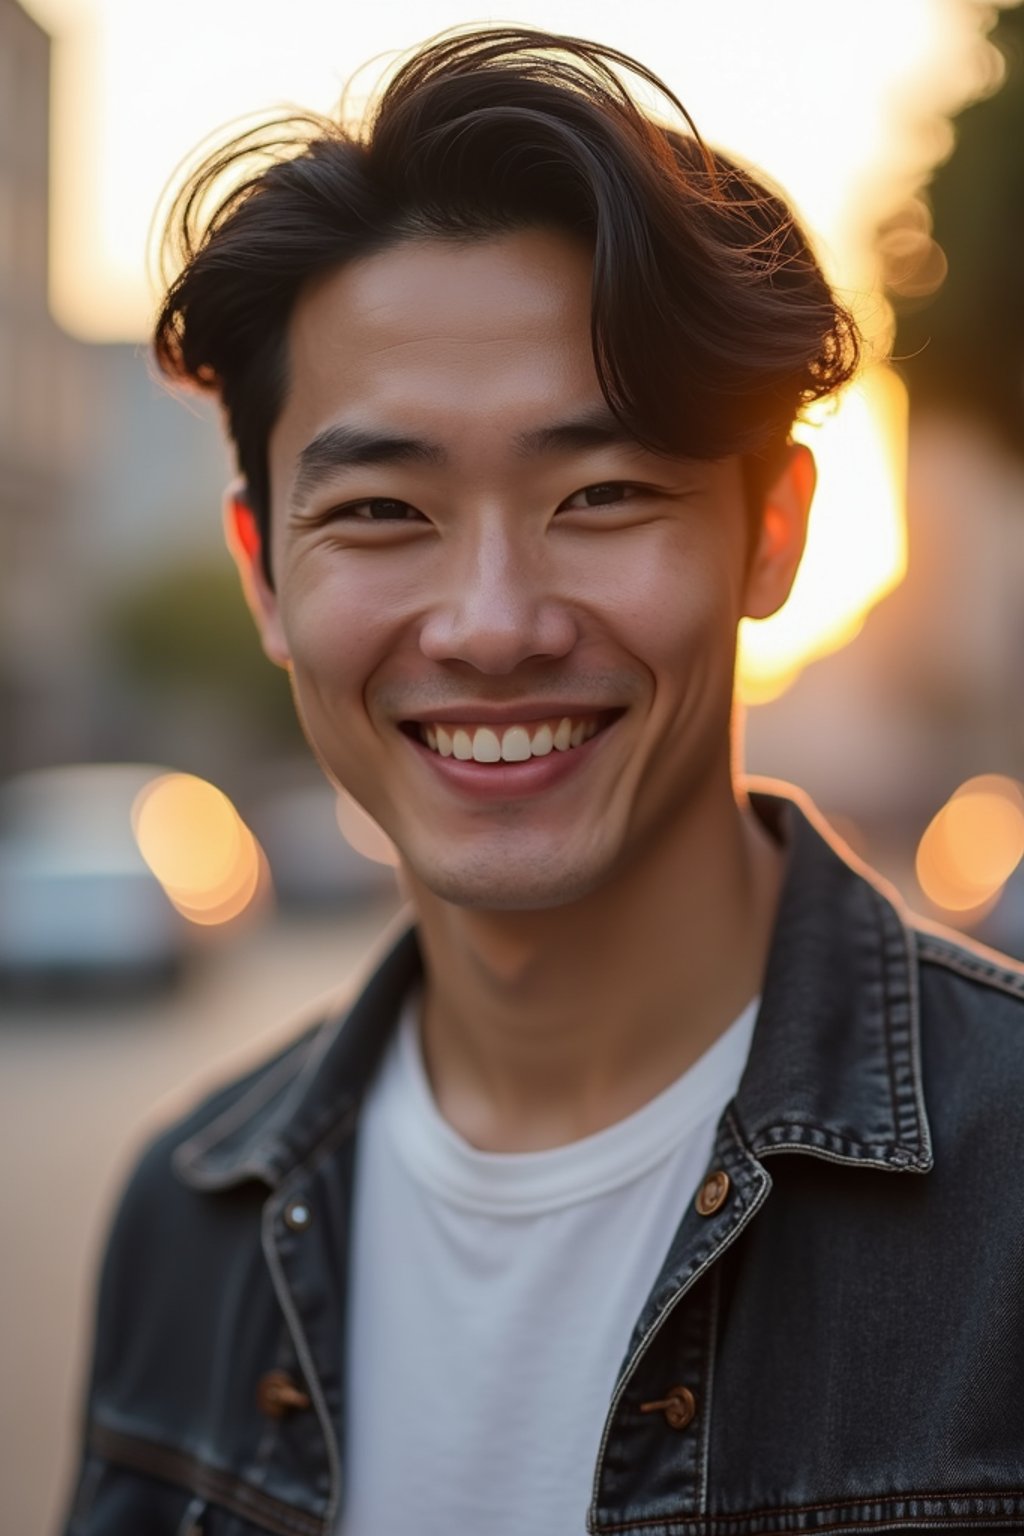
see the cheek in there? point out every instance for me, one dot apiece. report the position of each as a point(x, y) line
point(340, 620)
point(663, 596)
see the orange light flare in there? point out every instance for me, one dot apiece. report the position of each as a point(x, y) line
point(210, 866)
point(856, 540)
point(971, 847)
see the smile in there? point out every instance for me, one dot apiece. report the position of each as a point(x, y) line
point(515, 743)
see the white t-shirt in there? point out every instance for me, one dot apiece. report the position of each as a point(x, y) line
point(494, 1294)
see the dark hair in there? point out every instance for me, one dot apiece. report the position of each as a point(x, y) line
point(712, 323)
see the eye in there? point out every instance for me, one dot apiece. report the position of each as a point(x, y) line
point(379, 509)
point(607, 494)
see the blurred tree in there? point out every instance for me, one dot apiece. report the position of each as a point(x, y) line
point(185, 631)
point(959, 296)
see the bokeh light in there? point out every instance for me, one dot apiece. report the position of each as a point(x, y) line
point(198, 847)
point(856, 542)
point(972, 846)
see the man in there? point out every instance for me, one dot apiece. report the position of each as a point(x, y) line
point(512, 1247)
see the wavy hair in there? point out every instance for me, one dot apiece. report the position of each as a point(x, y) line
point(712, 323)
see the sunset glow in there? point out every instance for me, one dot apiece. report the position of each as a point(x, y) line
point(856, 542)
point(134, 95)
point(136, 91)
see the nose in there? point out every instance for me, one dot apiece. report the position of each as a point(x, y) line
point(498, 607)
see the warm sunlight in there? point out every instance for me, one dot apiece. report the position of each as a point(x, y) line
point(136, 90)
point(134, 95)
point(856, 543)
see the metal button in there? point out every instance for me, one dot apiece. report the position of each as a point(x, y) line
point(714, 1192)
point(678, 1405)
point(277, 1393)
point(298, 1215)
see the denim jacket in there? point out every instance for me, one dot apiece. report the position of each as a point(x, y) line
point(835, 1342)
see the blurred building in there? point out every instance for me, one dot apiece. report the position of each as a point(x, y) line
point(102, 473)
point(37, 418)
point(148, 487)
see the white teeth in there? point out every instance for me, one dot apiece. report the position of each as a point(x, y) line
point(486, 746)
point(515, 744)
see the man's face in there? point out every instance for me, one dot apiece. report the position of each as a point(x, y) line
point(473, 562)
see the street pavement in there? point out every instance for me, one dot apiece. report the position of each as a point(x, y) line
point(81, 1087)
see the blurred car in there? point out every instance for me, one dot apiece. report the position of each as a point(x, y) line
point(78, 904)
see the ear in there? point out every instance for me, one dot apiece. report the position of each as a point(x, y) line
point(244, 540)
point(782, 535)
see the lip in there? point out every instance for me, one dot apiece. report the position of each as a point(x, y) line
point(510, 781)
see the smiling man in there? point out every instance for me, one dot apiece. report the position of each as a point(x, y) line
point(509, 1248)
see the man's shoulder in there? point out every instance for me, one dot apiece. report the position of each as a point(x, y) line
point(239, 1099)
point(971, 1005)
point(960, 964)
point(172, 1230)
point(969, 989)
point(258, 1127)
point(158, 1188)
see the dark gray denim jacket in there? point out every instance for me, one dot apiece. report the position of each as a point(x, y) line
point(836, 1339)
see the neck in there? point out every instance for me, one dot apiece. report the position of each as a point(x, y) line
point(543, 1027)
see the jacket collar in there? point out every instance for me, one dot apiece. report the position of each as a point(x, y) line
point(835, 1063)
point(834, 1067)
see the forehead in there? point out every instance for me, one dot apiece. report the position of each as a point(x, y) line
point(436, 336)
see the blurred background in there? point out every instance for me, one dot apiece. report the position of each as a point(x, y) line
point(178, 888)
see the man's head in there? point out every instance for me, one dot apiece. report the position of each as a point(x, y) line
point(508, 375)
point(711, 321)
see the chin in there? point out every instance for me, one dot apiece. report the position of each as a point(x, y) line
point(504, 885)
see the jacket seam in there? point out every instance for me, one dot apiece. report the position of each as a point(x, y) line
point(887, 1021)
point(865, 1143)
point(897, 1497)
point(729, 1522)
point(850, 1155)
point(704, 1451)
point(905, 1086)
point(181, 1468)
point(738, 1525)
point(948, 956)
point(910, 938)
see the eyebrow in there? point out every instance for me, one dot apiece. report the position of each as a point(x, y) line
point(341, 447)
point(347, 447)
